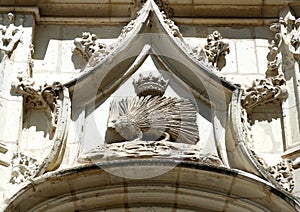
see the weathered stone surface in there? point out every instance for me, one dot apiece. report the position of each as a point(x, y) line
point(119, 35)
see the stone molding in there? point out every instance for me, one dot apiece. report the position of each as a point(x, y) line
point(150, 149)
point(97, 187)
point(200, 8)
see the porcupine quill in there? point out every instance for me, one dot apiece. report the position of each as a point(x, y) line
point(151, 117)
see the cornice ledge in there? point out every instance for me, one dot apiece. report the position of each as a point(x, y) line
point(25, 10)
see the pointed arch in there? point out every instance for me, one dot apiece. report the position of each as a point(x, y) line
point(153, 29)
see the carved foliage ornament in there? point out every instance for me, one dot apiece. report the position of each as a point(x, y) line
point(287, 29)
point(23, 168)
point(265, 91)
point(172, 26)
point(10, 35)
point(282, 172)
point(214, 52)
point(90, 48)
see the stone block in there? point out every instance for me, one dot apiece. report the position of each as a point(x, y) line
point(13, 120)
point(246, 57)
point(262, 61)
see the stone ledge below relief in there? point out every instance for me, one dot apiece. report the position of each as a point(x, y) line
point(150, 149)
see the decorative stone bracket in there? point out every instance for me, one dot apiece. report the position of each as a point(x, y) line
point(271, 90)
point(263, 92)
point(40, 97)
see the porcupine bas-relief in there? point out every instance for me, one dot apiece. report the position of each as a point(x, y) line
point(151, 116)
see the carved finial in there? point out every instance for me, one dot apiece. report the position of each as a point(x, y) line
point(150, 85)
point(216, 50)
point(89, 46)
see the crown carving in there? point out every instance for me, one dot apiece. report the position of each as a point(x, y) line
point(150, 85)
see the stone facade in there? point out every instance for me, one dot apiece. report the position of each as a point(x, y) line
point(132, 102)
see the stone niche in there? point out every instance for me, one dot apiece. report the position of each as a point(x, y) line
point(96, 131)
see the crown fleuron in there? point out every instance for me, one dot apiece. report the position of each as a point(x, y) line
point(150, 85)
